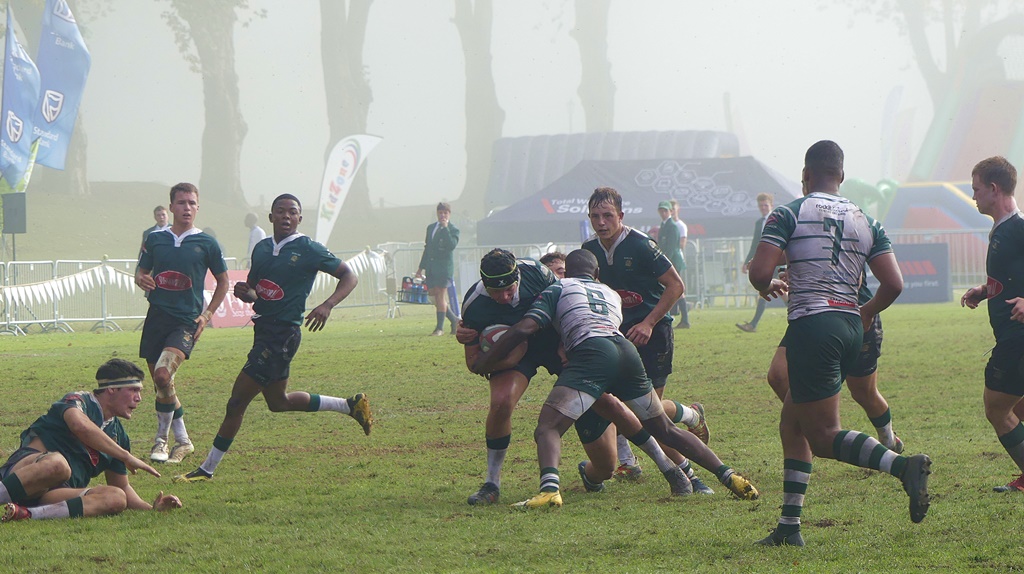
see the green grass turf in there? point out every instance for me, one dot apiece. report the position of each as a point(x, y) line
point(308, 492)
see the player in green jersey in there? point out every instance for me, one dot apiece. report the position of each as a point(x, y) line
point(633, 264)
point(79, 438)
point(172, 271)
point(993, 181)
point(284, 267)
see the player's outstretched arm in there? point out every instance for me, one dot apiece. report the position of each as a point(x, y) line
point(135, 502)
point(91, 436)
point(347, 281)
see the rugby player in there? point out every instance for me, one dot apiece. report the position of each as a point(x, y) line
point(586, 314)
point(827, 240)
point(79, 438)
point(284, 267)
point(172, 271)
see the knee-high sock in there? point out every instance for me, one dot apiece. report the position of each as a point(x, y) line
point(795, 476)
point(861, 450)
point(1013, 442)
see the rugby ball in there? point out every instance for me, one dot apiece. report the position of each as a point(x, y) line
point(490, 335)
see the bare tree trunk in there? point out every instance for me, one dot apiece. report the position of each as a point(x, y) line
point(212, 26)
point(348, 91)
point(597, 89)
point(484, 117)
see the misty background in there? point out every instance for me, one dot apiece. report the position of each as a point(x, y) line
point(779, 75)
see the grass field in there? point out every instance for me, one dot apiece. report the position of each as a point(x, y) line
point(308, 492)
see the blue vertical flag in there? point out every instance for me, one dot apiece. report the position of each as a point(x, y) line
point(63, 65)
point(21, 92)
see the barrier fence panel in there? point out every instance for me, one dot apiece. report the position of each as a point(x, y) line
point(49, 294)
point(32, 306)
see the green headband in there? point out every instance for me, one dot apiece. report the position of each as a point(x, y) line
point(500, 281)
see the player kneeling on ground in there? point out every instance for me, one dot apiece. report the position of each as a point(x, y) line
point(587, 315)
point(77, 439)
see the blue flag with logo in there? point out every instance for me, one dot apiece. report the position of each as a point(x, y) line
point(63, 66)
point(21, 92)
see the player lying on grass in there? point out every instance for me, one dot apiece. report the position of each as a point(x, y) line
point(77, 439)
point(281, 277)
point(586, 315)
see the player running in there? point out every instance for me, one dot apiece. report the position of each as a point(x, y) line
point(284, 267)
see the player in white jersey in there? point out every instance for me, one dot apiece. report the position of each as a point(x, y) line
point(587, 315)
point(827, 239)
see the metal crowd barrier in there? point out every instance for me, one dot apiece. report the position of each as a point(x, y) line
point(53, 294)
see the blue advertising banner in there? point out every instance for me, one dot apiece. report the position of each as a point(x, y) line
point(21, 92)
point(64, 63)
point(925, 268)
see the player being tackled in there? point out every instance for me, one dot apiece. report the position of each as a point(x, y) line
point(587, 315)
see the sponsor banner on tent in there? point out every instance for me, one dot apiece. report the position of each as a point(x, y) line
point(925, 268)
point(717, 197)
point(64, 63)
point(342, 164)
point(20, 94)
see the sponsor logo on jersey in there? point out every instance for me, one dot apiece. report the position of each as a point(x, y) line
point(838, 303)
point(269, 291)
point(173, 281)
point(993, 287)
point(630, 299)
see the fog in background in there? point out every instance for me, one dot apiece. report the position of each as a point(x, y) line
point(796, 73)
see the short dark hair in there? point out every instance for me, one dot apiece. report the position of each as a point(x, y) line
point(497, 262)
point(999, 171)
point(603, 194)
point(184, 187)
point(444, 206)
point(118, 369)
point(825, 158)
point(553, 256)
point(284, 197)
point(579, 263)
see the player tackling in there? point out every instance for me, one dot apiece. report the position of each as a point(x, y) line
point(587, 314)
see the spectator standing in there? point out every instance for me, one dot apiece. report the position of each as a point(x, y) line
point(437, 265)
